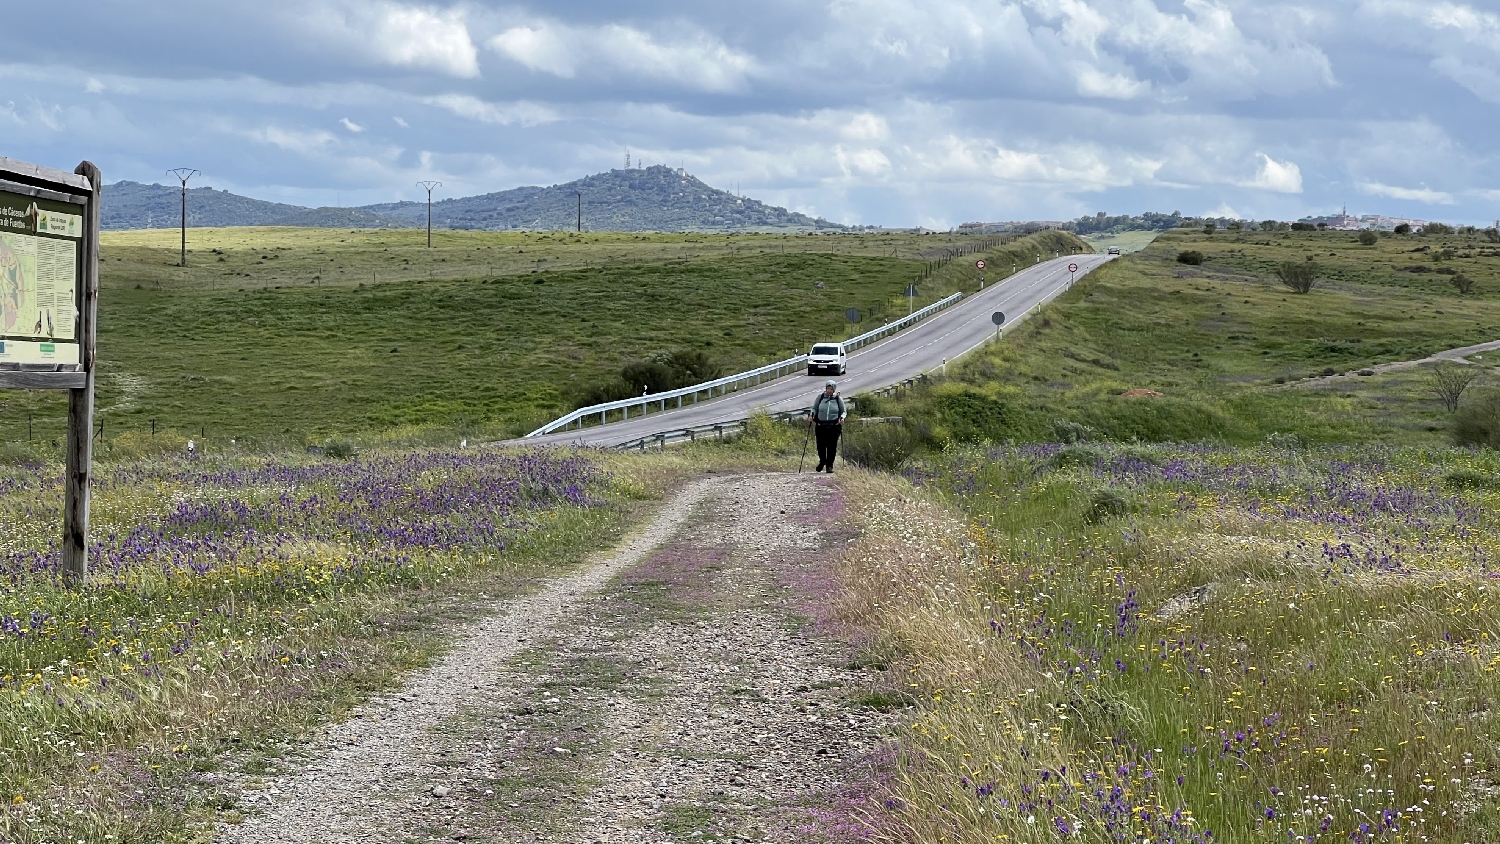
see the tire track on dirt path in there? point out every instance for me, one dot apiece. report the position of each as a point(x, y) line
point(372, 759)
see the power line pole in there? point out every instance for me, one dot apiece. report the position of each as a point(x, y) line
point(429, 186)
point(580, 212)
point(183, 174)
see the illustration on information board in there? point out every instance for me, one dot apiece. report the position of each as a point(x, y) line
point(17, 282)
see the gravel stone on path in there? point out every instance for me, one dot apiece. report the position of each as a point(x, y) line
point(677, 690)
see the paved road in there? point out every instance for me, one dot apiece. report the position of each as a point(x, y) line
point(919, 349)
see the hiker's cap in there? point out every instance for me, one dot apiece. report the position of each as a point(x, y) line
point(831, 384)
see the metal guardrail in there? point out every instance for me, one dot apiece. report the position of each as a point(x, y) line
point(732, 382)
point(723, 385)
point(889, 328)
point(717, 431)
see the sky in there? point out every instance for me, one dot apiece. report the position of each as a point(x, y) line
point(883, 112)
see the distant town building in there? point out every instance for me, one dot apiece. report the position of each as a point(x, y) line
point(1343, 221)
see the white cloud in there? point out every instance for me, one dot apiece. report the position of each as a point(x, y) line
point(402, 123)
point(1279, 176)
point(520, 112)
point(1092, 82)
point(351, 125)
point(696, 61)
point(868, 162)
point(419, 37)
point(1423, 194)
point(866, 126)
point(93, 86)
point(541, 49)
point(1224, 210)
point(292, 140)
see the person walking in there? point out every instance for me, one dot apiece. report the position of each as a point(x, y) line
point(828, 420)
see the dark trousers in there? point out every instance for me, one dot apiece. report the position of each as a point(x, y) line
point(828, 444)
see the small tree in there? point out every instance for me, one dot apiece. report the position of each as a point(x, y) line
point(1492, 235)
point(1368, 238)
point(1268, 225)
point(1448, 382)
point(1190, 256)
point(1209, 228)
point(1437, 228)
point(1402, 228)
point(1462, 282)
point(1300, 276)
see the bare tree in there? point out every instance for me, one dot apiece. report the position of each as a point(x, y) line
point(1300, 276)
point(1449, 381)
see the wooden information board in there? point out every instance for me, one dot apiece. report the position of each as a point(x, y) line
point(49, 286)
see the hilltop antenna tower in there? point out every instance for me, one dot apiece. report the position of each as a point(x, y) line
point(627, 158)
point(183, 174)
point(429, 186)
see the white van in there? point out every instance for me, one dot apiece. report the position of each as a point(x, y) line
point(827, 358)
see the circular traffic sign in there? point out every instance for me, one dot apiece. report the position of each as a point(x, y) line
point(979, 263)
point(1072, 268)
point(997, 318)
point(852, 314)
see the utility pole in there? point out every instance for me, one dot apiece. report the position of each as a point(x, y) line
point(429, 186)
point(183, 174)
point(580, 212)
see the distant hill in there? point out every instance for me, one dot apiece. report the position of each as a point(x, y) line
point(650, 199)
point(132, 205)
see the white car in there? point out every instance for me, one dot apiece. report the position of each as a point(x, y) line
point(827, 358)
point(1114, 250)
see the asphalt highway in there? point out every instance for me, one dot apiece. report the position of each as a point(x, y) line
point(921, 348)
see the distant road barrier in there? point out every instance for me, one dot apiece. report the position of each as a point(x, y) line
point(720, 387)
point(890, 328)
point(738, 381)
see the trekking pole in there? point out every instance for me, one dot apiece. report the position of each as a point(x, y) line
point(804, 445)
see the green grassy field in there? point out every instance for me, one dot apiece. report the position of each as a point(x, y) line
point(294, 335)
point(1126, 242)
point(1229, 347)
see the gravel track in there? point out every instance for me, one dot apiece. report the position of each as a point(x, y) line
point(676, 690)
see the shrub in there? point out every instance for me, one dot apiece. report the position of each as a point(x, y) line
point(1069, 432)
point(883, 447)
point(1449, 381)
point(1470, 479)
point(1402, 228)
point(1492, 234)
point(1107, 504)
point(1462, 282)
point(1209, 228)
point(1478, 421)
point(1300, 276)
point(1304, 227)
point(1190, 256)
point(1080, 456)
point(1437, 228)
point(339, 449)
point(1368, 238)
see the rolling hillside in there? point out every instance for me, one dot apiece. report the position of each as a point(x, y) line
point(650, 199)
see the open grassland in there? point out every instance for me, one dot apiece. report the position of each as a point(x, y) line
point(1235, 354)
point(1126, 242)
point(293, 335)
point(1191, 643)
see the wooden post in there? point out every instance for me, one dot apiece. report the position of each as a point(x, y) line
point(80, 454)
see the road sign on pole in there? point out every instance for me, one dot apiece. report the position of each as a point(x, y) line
point(979, 264)
point(1072, 269)
point(998, 318)
point(852, 314)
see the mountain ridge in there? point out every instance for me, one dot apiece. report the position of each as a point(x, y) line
point(656, 198)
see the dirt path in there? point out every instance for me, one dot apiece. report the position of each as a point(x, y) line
point(1458, 356)
point(680, 689)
